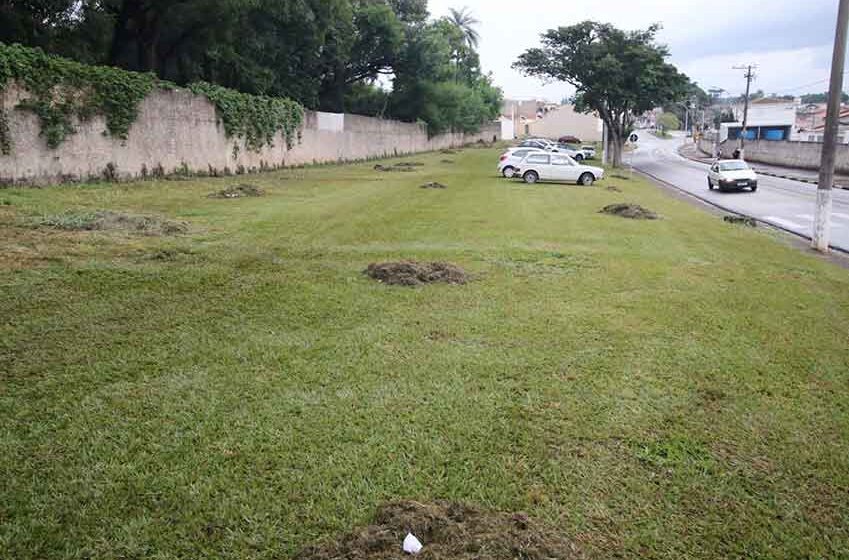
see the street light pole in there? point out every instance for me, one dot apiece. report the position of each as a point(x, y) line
point(822, 220)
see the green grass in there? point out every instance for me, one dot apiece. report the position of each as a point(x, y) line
point(670, 389)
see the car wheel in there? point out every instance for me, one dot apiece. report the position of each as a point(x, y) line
point(508, 172)
point(587, 180)
point(754, 189)
point(710, 185)
point(531, 177)
point(579, 157)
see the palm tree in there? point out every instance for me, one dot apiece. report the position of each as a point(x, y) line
point(466, 22)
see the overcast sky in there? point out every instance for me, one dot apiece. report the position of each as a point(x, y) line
point(790, 40)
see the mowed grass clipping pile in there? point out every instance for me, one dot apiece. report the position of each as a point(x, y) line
point(242, 390)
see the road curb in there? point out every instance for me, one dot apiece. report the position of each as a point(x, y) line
point(767, 173)
point(841, 251)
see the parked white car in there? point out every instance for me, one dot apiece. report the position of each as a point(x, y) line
point(571, 151)
point(557, 167)
point(727, 174)
point(589, 151)
point(510, 160)
point(549, 146)
point(539, 143)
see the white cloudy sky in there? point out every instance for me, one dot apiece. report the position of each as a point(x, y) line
point(790, 40)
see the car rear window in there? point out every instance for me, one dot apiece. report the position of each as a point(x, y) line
point(521, 153)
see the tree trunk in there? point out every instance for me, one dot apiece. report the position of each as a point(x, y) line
point(121, 37)
point(616, 143)
point(148, 40)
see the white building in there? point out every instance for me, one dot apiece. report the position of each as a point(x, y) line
point(769, 119)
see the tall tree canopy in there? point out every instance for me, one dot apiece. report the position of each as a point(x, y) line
point(618, 74)
point(331, 55)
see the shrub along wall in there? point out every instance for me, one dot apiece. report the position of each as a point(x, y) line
point(63, 121)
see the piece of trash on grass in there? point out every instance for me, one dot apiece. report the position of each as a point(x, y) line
point(412, 545)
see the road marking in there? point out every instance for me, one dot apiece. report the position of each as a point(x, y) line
point(808, 217)
point(786, 223)
point(840, 215)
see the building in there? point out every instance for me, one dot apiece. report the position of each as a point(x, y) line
point(818, 132)
point(769, 119)
point(565, 121)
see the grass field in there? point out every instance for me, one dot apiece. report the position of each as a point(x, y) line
point(669, 389)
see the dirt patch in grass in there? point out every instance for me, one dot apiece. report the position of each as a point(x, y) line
point(620, 176)
point(390, 169)
point(630, 211)
point(448, 531)
point(613, 188)
point(450, 152)
point(412, 273)
point(447, 161)
point(741, 221)
point(409, 164)
point(107, 220)
point(238, 191)
point(433, 185)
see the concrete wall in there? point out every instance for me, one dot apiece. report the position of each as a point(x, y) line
point(177, 130)
point(565, 121)
point(800, 155)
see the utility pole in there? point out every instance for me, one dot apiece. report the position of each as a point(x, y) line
point(822, 220)
point(750, 75)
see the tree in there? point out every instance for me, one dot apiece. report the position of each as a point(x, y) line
point(695, 99)
point(669, 121)
point(362, 44)
point(466, 23)
point(438, 81)
point(617, 74)
point(326, 54)
point(410, 11)
point(821, 98)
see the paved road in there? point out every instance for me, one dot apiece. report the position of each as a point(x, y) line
point(781, 202)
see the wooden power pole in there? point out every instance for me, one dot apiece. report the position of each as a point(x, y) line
point(822, 219)
point(750, 75)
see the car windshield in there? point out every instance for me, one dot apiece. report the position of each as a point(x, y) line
point(733, 166)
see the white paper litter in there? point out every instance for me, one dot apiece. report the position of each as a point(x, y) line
point(412, 545)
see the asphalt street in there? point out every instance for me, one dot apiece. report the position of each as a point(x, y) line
point(780, 202)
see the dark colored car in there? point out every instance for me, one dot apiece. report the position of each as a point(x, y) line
point(569, 140)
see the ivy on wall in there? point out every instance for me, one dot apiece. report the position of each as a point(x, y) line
point(256, 118)
point(63, 91)
point(5, 135)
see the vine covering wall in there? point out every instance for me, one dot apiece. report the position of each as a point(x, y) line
point(63, 92)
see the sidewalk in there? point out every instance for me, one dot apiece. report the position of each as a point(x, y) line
point(690, 151)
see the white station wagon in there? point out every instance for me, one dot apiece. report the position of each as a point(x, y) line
point(557, 167)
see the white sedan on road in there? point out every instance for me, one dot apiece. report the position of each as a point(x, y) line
point(510, 160)
point(556, 167)
point(736, 174)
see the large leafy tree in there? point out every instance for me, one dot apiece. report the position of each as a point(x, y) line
point(618, 74)
point(438, 81)
point(333, 55)
point(362, 45)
